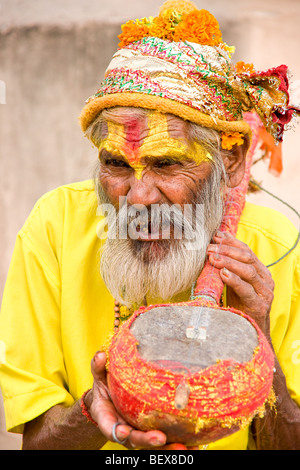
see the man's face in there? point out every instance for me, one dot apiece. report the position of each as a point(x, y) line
point(150, 161)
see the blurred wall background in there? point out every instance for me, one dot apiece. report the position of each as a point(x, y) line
point(53, 54)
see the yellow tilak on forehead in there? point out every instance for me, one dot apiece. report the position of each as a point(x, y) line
point(114, 142)
point(138, 170)
point(158, 139)
point(157, 144)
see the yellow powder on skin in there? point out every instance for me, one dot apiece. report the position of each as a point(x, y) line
point(157, 144)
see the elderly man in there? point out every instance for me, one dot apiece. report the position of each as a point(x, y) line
point(168, 124)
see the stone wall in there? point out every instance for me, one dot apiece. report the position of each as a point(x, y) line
point(53, 54)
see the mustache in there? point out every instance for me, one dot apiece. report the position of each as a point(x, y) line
point(158, 221)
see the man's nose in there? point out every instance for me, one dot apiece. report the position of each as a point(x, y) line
point(143, 191)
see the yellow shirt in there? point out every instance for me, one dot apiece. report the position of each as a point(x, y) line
point(56, 311)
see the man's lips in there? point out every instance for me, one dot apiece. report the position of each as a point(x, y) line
point(151, 236)
point(149, 233)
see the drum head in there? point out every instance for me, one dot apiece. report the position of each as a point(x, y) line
point(187, 339)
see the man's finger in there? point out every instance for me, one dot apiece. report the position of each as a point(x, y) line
point(148, 439)
point(246, 272)
point(98, 366)
point(230, 246)
point(174, 446)
point(120, 433)
point(242, 289)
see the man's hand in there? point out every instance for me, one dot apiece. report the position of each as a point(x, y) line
point(66, 428)
point(104, 413)
point(250, 284)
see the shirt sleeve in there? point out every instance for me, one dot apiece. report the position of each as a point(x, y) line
point(33, 379)
point(289, 350)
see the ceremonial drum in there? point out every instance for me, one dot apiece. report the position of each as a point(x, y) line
point(196, 373)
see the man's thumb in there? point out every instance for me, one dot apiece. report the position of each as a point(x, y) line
point(98, 366)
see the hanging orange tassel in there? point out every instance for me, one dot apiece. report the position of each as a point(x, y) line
point(271, 150)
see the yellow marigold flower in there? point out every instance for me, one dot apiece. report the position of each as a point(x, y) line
point(164, 25)
point(200, 27)
point(145, 21)
point(229, 49)
point(172, 17)
point(229, 139)
point(180, 6)
point(132, 32)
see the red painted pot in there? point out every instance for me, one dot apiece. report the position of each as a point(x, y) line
point(194, 404)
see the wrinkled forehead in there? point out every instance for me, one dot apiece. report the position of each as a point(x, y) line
point(140, 121)
point(136, 130)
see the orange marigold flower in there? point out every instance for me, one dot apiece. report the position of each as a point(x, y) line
point(164, 25)
point(229, 139)
point(199, 26)
point(131, 32)
point(241, 67)
point(162, 28)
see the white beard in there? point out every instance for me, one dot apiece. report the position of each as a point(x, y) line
point(134, 270)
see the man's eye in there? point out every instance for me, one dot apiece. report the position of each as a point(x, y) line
point(166, 162)
point(116, 163)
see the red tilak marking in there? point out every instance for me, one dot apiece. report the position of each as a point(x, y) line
point(134, 139)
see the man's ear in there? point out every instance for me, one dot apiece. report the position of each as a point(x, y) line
point(234, 162)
